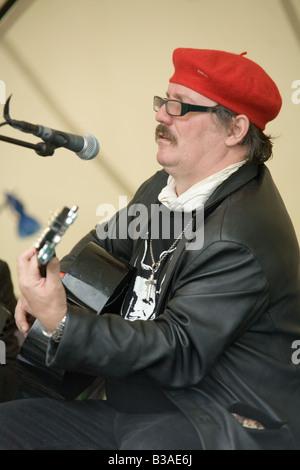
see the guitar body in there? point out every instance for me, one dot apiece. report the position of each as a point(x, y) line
point(97, 280)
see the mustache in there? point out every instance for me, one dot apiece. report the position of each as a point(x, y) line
point(163, 131)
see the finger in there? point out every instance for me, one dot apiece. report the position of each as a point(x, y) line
point(53, 269)
point(28, 267)
point(21, 316)
point(25, 257)
point(24, 260)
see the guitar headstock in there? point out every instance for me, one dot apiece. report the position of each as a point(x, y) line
point(52, 234)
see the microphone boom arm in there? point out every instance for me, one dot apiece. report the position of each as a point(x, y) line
point(86, 146)
point(43, 149)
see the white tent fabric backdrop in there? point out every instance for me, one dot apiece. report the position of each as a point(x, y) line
point(93, 66)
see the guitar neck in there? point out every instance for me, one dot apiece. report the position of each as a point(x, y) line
point(52, 234)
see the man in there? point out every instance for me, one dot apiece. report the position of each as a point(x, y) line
point(200, 355)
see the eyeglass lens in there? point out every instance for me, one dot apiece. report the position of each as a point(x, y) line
point(172, 107)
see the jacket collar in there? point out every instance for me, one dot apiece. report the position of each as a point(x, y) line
point(235, 181)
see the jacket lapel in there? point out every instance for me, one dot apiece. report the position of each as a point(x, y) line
point(235, 181)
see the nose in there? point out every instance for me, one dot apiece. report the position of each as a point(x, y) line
point(163, 117)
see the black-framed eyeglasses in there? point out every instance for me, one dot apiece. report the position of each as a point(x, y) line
point(177, 108)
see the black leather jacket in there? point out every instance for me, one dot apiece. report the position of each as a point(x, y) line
point(228, 316)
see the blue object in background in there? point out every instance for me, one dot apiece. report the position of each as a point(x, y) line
point(27, 225)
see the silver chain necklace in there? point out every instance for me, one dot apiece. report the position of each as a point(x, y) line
point(156, 264)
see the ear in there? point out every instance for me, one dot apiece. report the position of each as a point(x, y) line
point(238, 130)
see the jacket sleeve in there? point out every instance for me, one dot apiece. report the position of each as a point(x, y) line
point(219, 293)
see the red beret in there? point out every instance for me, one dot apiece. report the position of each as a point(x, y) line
point(231, 80)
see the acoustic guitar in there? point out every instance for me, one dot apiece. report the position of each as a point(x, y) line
point(95, 280)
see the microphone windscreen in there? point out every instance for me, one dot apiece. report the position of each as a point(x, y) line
point(90, 149)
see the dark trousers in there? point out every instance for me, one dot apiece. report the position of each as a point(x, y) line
point(43, 423)
point(9, 382)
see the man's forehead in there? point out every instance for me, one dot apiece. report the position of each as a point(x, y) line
point(185, 94)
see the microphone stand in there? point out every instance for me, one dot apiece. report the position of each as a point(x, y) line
point(43, 149)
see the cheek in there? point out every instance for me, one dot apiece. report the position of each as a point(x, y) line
point(208, 135)
point(196, 133)
point(191, 141)
point(193, 147)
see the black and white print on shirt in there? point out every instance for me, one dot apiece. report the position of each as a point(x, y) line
point(141, 299)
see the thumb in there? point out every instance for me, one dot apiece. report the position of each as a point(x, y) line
point(53, 269)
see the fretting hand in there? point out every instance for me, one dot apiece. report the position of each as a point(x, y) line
point(41, 297)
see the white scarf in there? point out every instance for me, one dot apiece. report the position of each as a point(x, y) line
point(198, 193)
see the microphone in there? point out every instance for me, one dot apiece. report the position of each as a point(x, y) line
point(86, 146)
